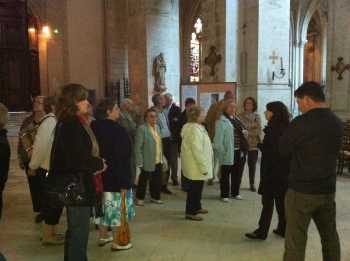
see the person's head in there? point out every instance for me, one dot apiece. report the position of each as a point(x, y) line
point(72, 101)
point(189, 103)
point(250, 105)
point(158, 100)
point(127, 105)
point(50, 103)
point(229, 108)
point(277, 112)
point(3, 116)
point(229, 95)
point(38, 104)
point(135, 97)
point(309, 96)
point(168, 99)
point(195, 114)
point(151, 117)
point(107, 109)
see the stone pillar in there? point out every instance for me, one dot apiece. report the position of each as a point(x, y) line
point(116, 23)
point(274, 33)
point(85, 44)
point(232, 41)
point(153, 28)
point(248, 42)
point(339, 46)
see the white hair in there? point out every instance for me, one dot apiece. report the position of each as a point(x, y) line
point(168, 94)
point(3, 115)
point(125, 102)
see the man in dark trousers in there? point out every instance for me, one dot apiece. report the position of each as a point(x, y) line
point(313, 141)
point(173, 114)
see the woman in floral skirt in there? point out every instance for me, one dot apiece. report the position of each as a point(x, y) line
point(115, 148)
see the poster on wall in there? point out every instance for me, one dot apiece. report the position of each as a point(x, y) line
point(188, 91)
point(209, 98)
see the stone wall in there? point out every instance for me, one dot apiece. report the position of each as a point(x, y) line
point(339, 46)
point(116, 40)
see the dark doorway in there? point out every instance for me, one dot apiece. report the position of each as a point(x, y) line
point(19, 58)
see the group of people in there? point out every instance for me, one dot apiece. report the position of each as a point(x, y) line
point(90, 163)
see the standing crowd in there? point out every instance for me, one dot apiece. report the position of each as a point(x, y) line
point(97, 163)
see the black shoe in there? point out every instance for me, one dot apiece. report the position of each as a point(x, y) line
point(165, 190)
point(279, 233)
point(254, 235)
point(252, 188)
point(39, 218)
point(175, 183)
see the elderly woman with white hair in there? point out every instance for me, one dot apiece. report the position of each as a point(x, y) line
point(196, 160)
point(4, 152)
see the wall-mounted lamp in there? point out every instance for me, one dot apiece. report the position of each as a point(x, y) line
point(32, 30)
point(281, 73)
point(46, 31)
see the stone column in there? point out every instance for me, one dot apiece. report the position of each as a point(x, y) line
point(153, 27)
point(85, 44)
point(274, 33)
point(232, 41)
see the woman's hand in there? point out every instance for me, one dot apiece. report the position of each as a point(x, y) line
point(105, 166)
point(31, 172)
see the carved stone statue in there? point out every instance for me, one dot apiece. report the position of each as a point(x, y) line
point(159, 69)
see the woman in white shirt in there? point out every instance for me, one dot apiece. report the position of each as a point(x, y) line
point(40, 165)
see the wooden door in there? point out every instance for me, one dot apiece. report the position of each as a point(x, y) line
point(17, 62)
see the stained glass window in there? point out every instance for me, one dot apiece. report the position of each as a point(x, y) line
point(196, 51)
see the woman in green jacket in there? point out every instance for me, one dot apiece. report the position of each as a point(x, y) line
point(224, 147)
point(196, 161)
point(149, 157)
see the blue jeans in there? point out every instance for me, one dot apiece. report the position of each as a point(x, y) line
point(77, 235)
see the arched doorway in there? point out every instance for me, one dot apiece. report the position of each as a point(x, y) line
point(313, 50)
point(19, 63)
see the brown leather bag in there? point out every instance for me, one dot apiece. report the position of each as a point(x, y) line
point(123, 236)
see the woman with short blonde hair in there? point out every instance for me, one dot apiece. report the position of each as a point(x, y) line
point(4, 151)
point(196, 161)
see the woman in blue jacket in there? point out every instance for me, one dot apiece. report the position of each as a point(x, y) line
point(224, 147)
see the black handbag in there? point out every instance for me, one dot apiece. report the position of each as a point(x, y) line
point(68, 189)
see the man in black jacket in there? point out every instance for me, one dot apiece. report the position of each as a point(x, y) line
point(173, 113)
point(313, 140)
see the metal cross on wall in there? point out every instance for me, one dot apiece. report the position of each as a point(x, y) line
point(274, 57)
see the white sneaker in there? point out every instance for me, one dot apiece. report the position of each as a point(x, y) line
point(238, 197)
point(157, 201)
point(116, 247)
point(104, 241)
point(226, 200)
point(140, 202)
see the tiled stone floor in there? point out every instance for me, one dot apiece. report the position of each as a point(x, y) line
point(160, 233)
